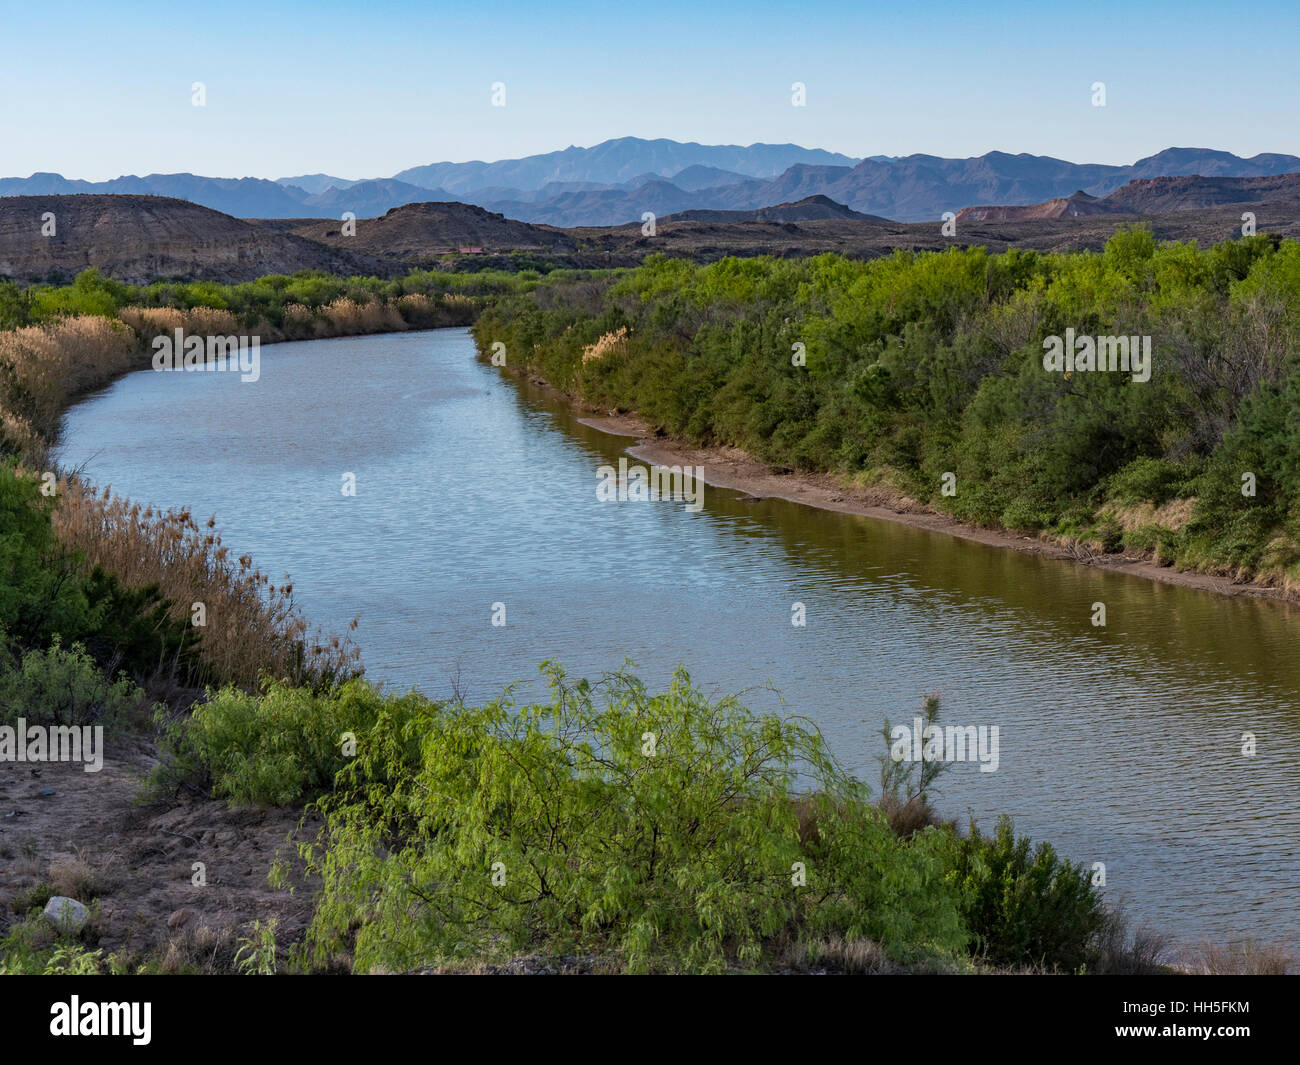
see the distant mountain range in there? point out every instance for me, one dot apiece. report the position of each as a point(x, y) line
point(1152, 196)
point(146, 238)
point(617, 181)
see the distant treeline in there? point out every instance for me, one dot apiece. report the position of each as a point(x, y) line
point(902, 370)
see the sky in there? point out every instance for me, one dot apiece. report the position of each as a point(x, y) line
point(357, 90)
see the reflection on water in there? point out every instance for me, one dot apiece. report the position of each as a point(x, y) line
point(1121, 744)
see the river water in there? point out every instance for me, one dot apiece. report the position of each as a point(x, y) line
point(1121, 744)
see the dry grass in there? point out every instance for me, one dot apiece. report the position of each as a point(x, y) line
point(56, 362)
point(200, 948)
point(345, 317)
point(608, 342)
point(1248, 957)
point(836, 954)
point(1173, 515)
point(1119, 954)
point(427, 312)
point(151, 322)
point(252, 625)
point(76, 878)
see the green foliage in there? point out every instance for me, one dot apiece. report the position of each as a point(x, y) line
point(923, 364)
point(252, 302)
point(1026, 908)
point(903, 780)
point(281, 747)
point(256, 953)
point(657, 828)
point(64, 687)
point(90, 293)
point(1150, 480)
point(15, 305)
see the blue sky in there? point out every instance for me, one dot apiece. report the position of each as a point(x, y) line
point(95, 90)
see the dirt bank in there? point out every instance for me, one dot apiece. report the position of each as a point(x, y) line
point(729, 467)
point(68, 832)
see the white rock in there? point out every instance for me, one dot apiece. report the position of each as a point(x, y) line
point(65, 914)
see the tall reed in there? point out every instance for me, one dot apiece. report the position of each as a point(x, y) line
point(249, 626)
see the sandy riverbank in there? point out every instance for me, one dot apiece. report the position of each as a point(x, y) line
point(732, 468)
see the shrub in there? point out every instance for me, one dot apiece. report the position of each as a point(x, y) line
point(65, 687)
point(281, 747)
point(1148, 480)
point(658, 829)
point(1026, 908)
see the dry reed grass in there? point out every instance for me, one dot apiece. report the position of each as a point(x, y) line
point(55, 362)
point(151, 322)
point(607, 343)
point(346, 317)
point(1246, 958)
point(252, 626)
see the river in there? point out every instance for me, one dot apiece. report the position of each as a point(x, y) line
point(1121, 744)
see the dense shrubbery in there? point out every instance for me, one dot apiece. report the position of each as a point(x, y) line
point(658, 830)
point(280, 748)
point(1026, 906)
point(64, 687)
point(655, 828)
point(922, 364)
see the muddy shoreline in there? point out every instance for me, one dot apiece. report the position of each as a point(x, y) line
point(732, 468)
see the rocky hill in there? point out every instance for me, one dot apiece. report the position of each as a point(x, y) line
point(809, 209)
point(146, 238)
point(424, 230)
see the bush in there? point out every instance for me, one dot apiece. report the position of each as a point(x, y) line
point(281, 747)
point(1023, 908)
point(64, 687)
point(1148, 480)
point(658, 829)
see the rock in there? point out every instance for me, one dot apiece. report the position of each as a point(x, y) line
point(179, 917)
point(47, 791)
point(65, 915)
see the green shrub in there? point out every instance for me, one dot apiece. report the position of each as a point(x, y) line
point(64, 687)
point(1148, 480)
point(1026, 908)
point(658, 829)
point(281, 747)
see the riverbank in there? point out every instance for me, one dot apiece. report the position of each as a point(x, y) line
point(925, 375)
point(731, 468)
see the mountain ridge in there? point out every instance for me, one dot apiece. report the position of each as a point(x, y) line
point(619, 181)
